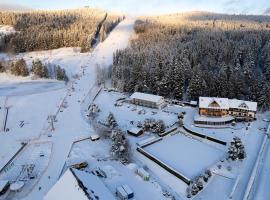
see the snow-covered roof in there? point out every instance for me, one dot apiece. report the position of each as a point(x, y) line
point(146, 97)
point(195, 103)
point(143, 172)
point(68, 187)
point(214, 102)
point(245, 105)
point(95, 137)
point(225, 103)
point(135, 130)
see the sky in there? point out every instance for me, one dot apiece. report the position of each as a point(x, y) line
point(152, 6)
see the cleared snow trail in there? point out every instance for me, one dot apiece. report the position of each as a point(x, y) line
point(70, 125)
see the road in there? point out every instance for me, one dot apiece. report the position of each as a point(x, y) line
point(70, 125)
point(262, 180)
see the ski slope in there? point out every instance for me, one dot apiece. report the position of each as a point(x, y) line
point(70, 125)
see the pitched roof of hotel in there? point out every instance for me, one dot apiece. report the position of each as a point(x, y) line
point(146, 97)
point(245, 105)
point(225, 103)
point(213, 102)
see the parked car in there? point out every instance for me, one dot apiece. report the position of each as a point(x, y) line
point(81, 165)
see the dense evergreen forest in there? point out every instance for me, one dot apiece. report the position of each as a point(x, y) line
point(184, 56)
point(43, 30)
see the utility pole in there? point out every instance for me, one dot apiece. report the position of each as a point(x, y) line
point(51, 120)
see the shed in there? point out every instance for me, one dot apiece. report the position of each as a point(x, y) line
point(144, 174)
point(135, 132)
point(128, 191)
point(94, 137)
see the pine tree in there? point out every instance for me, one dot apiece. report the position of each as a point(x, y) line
point(39, 69)
point(2, 68)
point(19, 68)
point(61, 74)
point(197, 85)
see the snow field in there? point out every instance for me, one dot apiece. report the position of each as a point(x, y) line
point(97, 155)
point(30, 87)
point(70, 125)
point(7, 150)
point(127, 112)
point(187, 156)
point(36, 155)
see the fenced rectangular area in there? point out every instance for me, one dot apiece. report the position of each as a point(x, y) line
point(182, 156)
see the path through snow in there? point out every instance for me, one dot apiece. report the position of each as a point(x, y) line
point(70, 125)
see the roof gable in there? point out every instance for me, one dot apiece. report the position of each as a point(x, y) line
point(214, 103)
point(243, 105)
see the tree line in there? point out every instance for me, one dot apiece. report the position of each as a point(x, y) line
point(38, 69)
point(185, 56)
point(44, 30)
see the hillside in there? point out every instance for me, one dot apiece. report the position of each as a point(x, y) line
point(44, 30)
point(188, 55)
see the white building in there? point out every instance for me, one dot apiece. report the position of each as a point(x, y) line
point(221, 107)
point(147, 100)
point(79, 185)
point(242, 109)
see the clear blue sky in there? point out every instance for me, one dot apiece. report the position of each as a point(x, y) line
point(152, 6)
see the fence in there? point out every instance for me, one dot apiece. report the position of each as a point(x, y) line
point(205, 136)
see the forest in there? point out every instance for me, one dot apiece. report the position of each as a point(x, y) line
point(44, 30)
point(184, 56)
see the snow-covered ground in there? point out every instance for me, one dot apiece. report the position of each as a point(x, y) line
point(97, 155)
point(31, 102)
point(31, 162)
point(28, 114)
point(8, 150)
point(188, 156)
point(237, 177)
point(29, 87)
point(68, 58)
point(106, 101)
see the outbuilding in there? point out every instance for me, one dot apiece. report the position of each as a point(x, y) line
point(147, 100)
point(94, 137)
point(124, 192)
point(144, 174)
point(135, 132)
